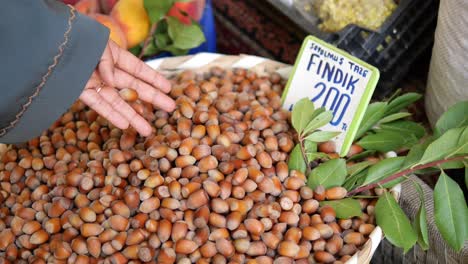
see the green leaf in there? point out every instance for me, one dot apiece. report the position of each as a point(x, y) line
point(462, 147)
point(405, 127)
point(157, 9)
point(394, 223)
point(401, 102)
point(383, 169)
point(355, 180)
point(358, 167)
point(318, 121)
point(150, 49)
point(362, 155)
point(311, 156)
point(442, 146)
point(311, 151)
point(454, 117)
point(296, 160)
point(318, 111)
point(466, 173)
point(450, 211)
point(374, 113)
point(394, 117)
point(394, 95)
point(135, 50)
point(161, 35)
point(322, 136)
point(414, 155)
point(427, 171)
point(385, 141)
point(185, 36)
point(310, 146)
point(357, 174)
point(302, 114)
point(328, 174)
point(420, 221)
point(344, 208)
point(456, 164)
point(162, 41)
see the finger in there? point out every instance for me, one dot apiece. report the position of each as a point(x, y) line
point(106, 66)
point(135, 120)
point(91, 98)
point(145, 91)
point(93, 81)
point(134, 66)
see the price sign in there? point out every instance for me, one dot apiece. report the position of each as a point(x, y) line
point(333, 79)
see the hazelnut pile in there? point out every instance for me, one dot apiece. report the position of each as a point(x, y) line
point(211, 185)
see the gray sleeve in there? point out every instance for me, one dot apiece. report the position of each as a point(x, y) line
point(48, 51)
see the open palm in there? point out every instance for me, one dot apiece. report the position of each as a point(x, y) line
point(119, 69)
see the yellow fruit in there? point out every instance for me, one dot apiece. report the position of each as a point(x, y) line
point(133, 20)
point(116, 33)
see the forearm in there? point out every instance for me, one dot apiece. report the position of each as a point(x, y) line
point(49, 51)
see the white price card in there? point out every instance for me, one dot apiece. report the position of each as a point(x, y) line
point(334, 79)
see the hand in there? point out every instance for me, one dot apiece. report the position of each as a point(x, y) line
point(119, 69)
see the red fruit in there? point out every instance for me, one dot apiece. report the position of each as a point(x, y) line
point(107, 5)
point(116, 33)
point(194, 9)
point(70, 2)
point(87, 6)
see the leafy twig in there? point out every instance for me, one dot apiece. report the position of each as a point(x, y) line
point(148, 40)
point(404, 173)
point(304, 156)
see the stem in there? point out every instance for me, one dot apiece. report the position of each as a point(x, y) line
point(403, 173)
point(365, 196)
point(304, 156)
point(147, 40)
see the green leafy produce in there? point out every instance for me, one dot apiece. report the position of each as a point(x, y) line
point(362, 155)
point(405, 127)
point(358, 167)
point(345, 208)
point(184, 36)
point(322, 136)
point(456, 116)
point(383, 169)
point(385, 141)
point(168, 33)
point(401, 102)
point(394, 117)
point(296, 161)
point(385, 128)
point(420, 221)
point(394, 223)
point(328, 174)
point(318, 121)
point(157, 9)
point(450, 211)
point(374, 113)
point(443, 146)
point(356, 179)
point(302, 114)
